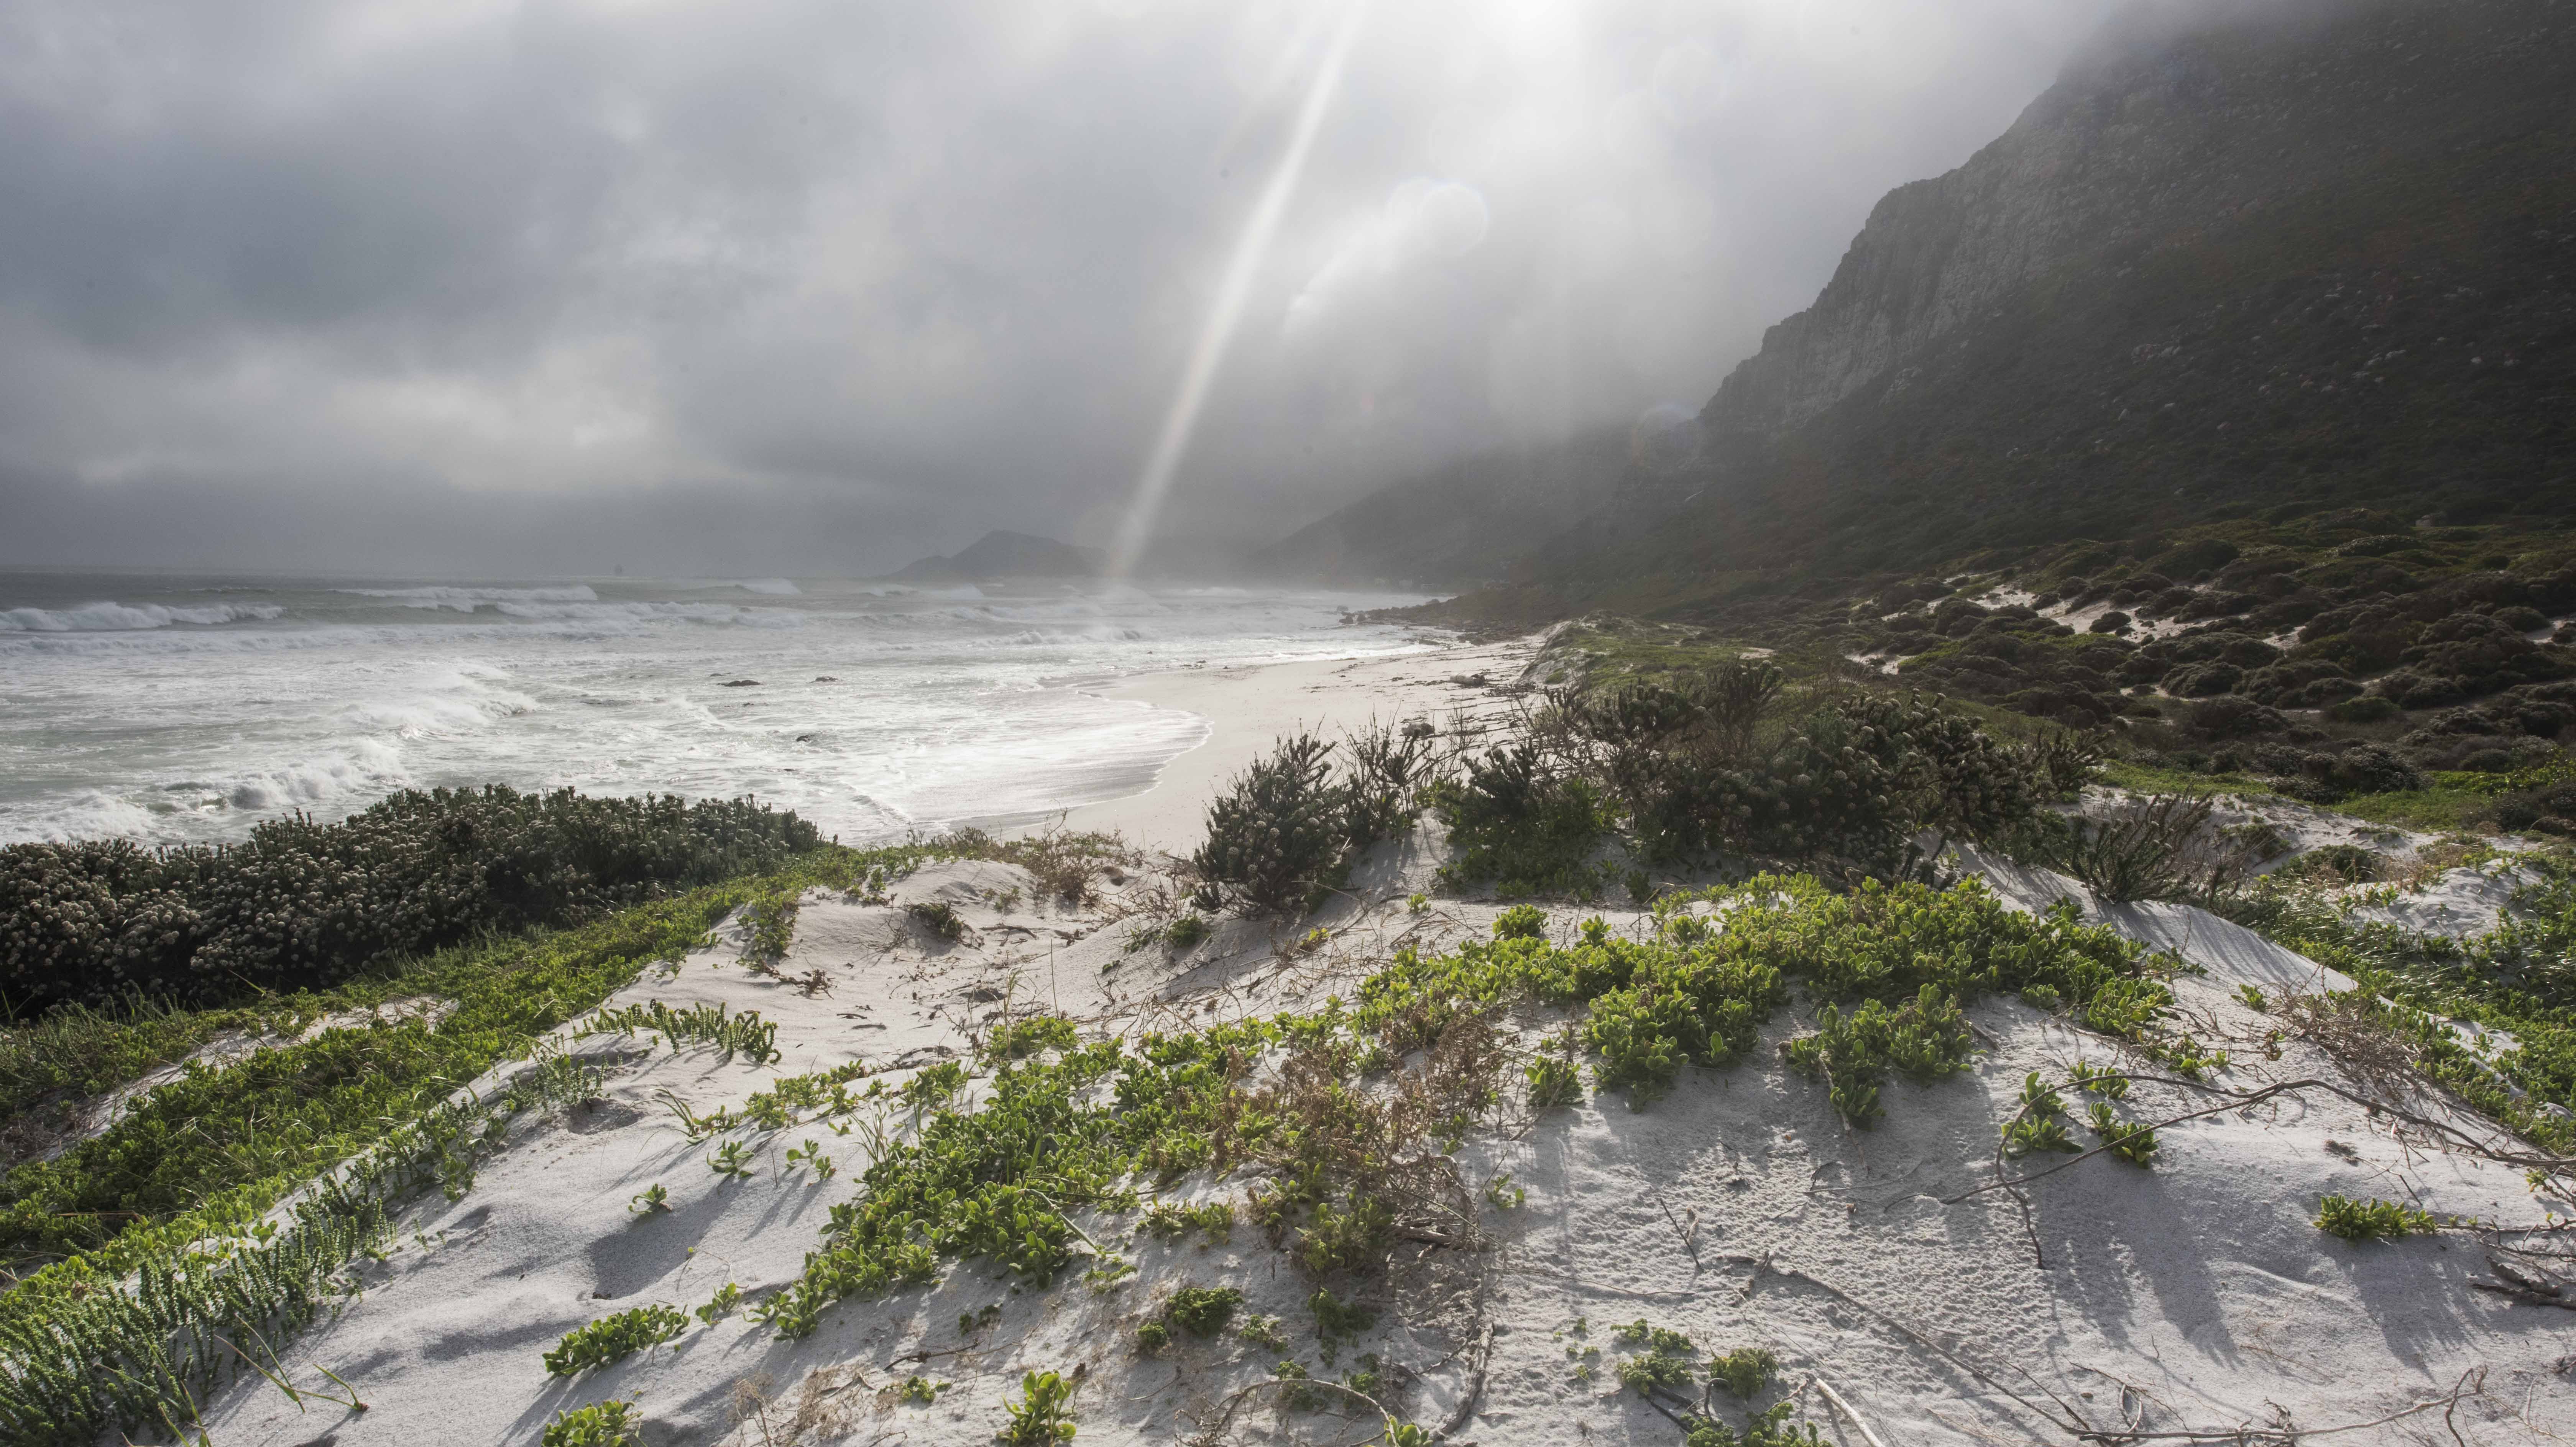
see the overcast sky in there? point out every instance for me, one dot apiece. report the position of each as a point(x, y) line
point(816, 286)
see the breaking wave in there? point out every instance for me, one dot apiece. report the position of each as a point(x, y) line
point(129, 617)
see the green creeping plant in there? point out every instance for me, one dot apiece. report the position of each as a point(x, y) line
point(2373, 1220)
point(601, 1424)
point(721, 1305)
point(812, 1158)
point(614, 1338)
point(731, 1160)
point(2134, 1144)
point(1744, 1371)
point(1039, 1418)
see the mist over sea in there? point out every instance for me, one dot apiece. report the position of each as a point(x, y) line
point(164, 708)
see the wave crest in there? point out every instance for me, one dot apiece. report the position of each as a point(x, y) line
point(107, 617)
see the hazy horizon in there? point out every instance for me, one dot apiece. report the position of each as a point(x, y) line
point(521, 289)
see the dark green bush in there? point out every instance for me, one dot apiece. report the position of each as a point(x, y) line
point(1278, 836)
point(1861, 779)
point(302, 904)
point(1526, 821)
point(1389, 769)
point(2162, 846)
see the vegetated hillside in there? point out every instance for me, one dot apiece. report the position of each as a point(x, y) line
point(1460, 525)
point(2329, 260)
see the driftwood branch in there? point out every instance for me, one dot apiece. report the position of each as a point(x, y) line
point(1845, 1408)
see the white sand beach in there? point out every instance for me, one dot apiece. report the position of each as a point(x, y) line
point(1247, 709)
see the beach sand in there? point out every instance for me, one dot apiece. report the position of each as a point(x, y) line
point(1248, 709)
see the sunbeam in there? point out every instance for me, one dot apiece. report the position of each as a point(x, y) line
point(1173, 441)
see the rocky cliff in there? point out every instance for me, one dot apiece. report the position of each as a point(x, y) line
point(2274, 255)
point(2150, 143)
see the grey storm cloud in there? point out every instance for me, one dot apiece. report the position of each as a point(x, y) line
point(821, 285)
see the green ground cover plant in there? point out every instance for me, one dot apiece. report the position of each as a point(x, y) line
point(1668, 1360)
point(1202, 1311)
point(1052, 1135)
point(1924, 1039)
point(1700, 988)
point(2041, 1123)
point(1167, 1222)
point(601, 1424)
point(1042, 1416)
point(2135, 1144)
point(1028, 1035)
point(1744, 1371)
point(2515, 980)
point(118, 1311)
point(2373, 1220)
point(1347, 1114)
point(615, 1338)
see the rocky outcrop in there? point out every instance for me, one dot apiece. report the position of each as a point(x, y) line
point(2152, 138)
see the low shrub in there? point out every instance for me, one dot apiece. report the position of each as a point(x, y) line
point(2163, 846)
point(1525, 822)
point(1202, 1311)
point(1745, 1371)
point(2373, 1220)
point(1279, 834)
point(1389, 769)
point(302, 904)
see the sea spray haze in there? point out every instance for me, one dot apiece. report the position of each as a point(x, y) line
point(165, 708)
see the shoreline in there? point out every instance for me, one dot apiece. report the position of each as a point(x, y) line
point(1247, 708)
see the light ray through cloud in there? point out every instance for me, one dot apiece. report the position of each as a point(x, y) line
point(1162, 466)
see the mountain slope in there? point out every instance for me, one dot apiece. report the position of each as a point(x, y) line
point(1455, 526)
point(2326, 258)
point(1009, 555)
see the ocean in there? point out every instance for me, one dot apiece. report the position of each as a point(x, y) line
point(164, 709)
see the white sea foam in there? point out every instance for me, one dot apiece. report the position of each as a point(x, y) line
point(769, 587)
point(872, 709)
point(105, 617)
point(651, 611)
point(466, 600)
